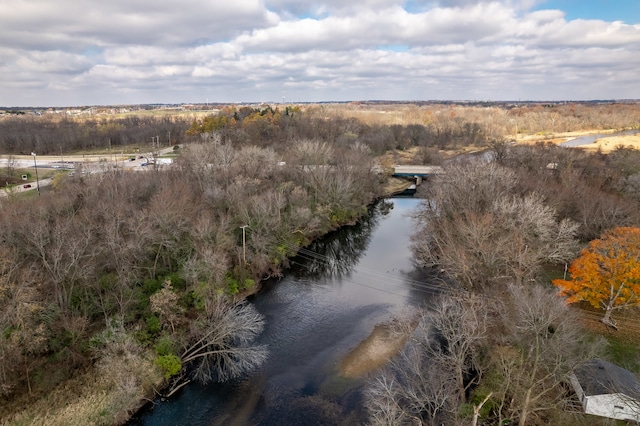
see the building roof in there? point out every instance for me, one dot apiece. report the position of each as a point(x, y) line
point(600, 377)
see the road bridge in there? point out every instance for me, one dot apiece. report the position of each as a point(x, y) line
point(413, 171)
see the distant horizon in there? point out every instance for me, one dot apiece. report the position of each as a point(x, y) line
point(370, 101)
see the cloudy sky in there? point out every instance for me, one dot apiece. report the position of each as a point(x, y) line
point(96, 52)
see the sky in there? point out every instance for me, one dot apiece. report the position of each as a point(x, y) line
point(118, 52)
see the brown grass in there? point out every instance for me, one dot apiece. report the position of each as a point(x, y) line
point(94, 397)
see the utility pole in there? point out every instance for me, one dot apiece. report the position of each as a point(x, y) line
point(244, 244)
point(35, 165)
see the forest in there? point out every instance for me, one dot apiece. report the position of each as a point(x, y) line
point(499, 345)
point(116, 285)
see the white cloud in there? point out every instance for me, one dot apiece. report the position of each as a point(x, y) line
point(372, 28)
point(170, 51)
point(53, 62)
point(45, 24)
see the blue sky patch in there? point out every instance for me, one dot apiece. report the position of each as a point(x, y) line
point(627, 11)
point(394, 47)
point(93, 51)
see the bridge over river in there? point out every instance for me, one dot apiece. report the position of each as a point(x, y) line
point(416, 171)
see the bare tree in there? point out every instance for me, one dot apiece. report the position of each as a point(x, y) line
point(516, 352)
point(500, 150)
point(22, 332)
point(542, 343)
point(311, 152)
point(478, 229)
point(257, 162)
point(165, 303)
point(64, 251)
point(412, 391)
point(431, 377)
point(11, 165)
point(456, 330)
point(222, 342)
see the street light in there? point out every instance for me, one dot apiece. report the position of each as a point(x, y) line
point(244, 244)
point(35, 165)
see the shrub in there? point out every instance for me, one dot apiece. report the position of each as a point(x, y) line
point(153, 324)
point(169, 364)
point(150, 286)
point(164, 346)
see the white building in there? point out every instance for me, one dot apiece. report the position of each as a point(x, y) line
point(606, 390)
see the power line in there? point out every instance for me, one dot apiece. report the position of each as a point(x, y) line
point(630, 324)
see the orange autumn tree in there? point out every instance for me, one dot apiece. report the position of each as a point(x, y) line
point(607, 273)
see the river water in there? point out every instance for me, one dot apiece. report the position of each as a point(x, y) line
point(589, 139)
point(335, 293)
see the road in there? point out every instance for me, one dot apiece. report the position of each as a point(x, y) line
point(93, 163)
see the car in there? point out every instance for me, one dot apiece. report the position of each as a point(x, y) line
point(143, 164)
point(26, 186)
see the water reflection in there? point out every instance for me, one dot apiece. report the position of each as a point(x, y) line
point(337, 253)
point(329, 303)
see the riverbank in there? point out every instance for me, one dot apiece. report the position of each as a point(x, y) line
point(556, 138)
point(325, 307)
point(605, 144)
point(99, 395)
point(609, 144)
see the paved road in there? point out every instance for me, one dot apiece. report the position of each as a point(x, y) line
point(30, 186)
point(95, 163)
point(66, 161)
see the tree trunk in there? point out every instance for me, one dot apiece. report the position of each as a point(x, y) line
point(606, 320)
point(477, 408)
point(525, 409)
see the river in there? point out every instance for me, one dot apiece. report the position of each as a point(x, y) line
point(329, 301)
point(589, 139)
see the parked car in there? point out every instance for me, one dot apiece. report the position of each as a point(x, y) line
point(26, 186)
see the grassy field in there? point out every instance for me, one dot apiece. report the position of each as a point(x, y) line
point(624, 344)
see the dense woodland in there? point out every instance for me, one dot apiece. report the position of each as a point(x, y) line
point(501, 343)
point(153, 255)
point(380, 127)
point(129, 275)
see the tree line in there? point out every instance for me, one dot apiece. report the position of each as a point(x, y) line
point(53, 135)
point(425, 126)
